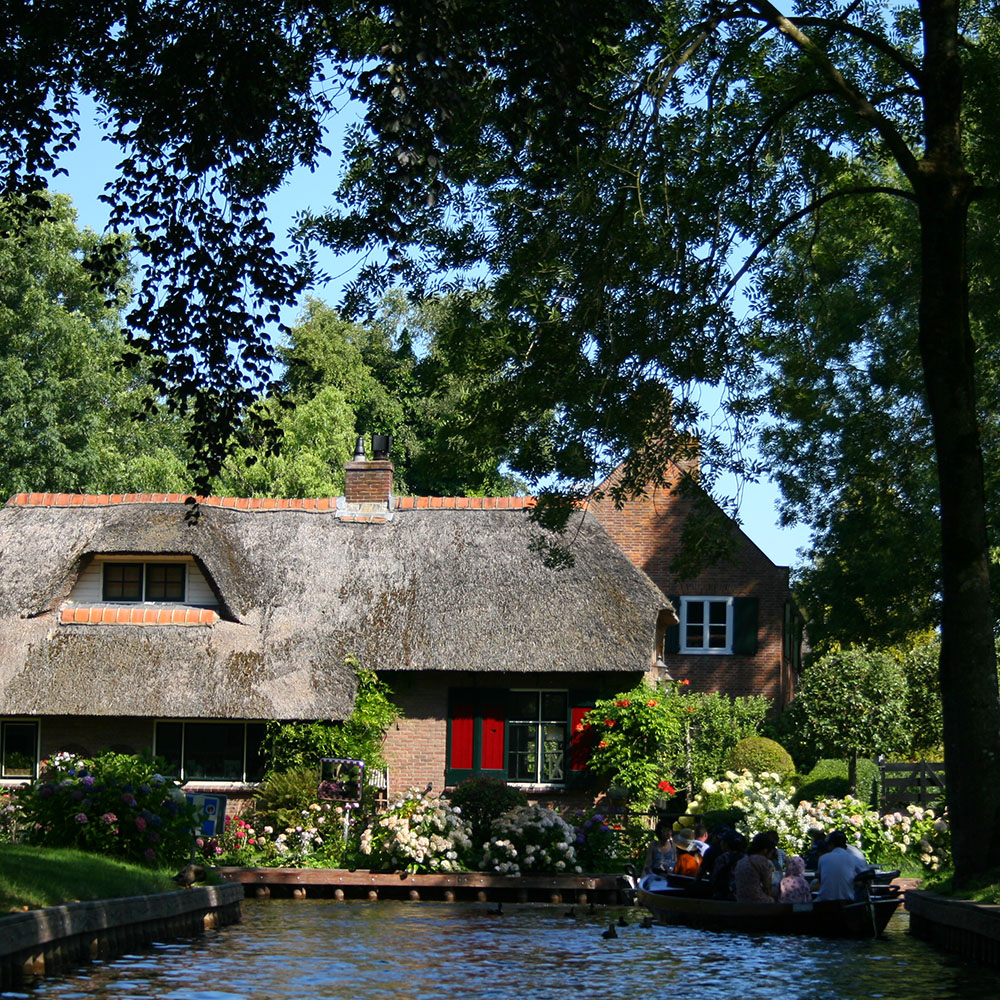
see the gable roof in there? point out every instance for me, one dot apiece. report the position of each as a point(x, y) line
point(302, 587)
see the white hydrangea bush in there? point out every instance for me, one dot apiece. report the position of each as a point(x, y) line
point(530, 839)
point(418, 833)
point(917, 833)
point(766, 804)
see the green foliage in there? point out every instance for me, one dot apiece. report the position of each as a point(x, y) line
point(114, 804)
point(69, 399)
point(829, 780)
point(280, 798)
point(289, 745)
point(924, 723)
point(633, 734)
point(713, 724)
point(758, 754)
point(850, 702)
point(482, 800)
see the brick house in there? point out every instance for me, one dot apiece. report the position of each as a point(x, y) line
point(153, 621)
point(739, 630)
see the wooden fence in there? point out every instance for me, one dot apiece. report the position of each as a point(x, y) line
point(916, 783)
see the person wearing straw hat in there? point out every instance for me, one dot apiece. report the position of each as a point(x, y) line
point(688, 856)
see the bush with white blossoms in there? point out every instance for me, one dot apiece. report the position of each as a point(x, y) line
point(530, 839)
point(920, 835)
point(765, 801)
point(418, 833)
point(315, 841)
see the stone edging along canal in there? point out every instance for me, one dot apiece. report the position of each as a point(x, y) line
point(970, 930)
point(56, 938)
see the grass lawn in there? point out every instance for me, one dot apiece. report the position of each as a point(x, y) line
point(46, 876)
point(985, 889)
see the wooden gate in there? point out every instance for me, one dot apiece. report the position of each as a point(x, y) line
point(915, 783)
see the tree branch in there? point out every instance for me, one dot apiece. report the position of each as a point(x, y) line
point(865, 110)
point(801, 214)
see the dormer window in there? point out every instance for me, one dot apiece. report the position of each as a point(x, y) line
point(135, 581)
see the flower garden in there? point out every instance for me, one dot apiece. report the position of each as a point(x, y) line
point(122, 806)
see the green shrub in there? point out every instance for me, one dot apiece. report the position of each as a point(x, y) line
point(828, 780)
point(114, 804)
point(759, 755)
point(482, 800)
point(283, 795)
point(289, 745)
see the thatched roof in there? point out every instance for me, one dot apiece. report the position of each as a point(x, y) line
point(299, 591)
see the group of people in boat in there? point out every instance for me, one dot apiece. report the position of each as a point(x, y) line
point(758, 871)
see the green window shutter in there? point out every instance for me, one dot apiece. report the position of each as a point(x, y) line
point(745, 626)
point(672, 635)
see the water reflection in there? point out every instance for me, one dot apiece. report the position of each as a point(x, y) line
point(385, 951)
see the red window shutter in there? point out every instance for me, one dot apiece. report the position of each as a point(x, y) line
point(581, 742)
point(462, 731)
point(493, 737)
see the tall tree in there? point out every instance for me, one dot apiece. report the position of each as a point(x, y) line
point(617, 166)
point(713, 135)
point(67, 400)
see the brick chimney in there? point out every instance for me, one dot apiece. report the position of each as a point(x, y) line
point(367, 482)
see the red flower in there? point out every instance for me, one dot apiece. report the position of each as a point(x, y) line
point(581, 726)
point(665, 786)
point(603, 743)
point(651, 703)
point(690, 708)
point(685, 682)
point(624, 703)
point(609, 722)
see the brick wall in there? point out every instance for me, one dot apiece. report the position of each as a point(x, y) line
point(416, 746)
point(649, 530)
point(368, 482)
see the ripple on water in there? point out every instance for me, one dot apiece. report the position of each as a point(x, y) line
point(389, 951)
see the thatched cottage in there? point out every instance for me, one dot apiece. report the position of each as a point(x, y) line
point(152, 621)
point(155, 621)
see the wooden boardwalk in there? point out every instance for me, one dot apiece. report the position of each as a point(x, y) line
point(341, 883)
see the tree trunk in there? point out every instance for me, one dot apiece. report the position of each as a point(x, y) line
point(970, 703)
point(852, 773)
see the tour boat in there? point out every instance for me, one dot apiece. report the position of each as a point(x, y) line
point(675, 900)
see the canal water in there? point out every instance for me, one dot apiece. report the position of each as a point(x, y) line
point(390, 951)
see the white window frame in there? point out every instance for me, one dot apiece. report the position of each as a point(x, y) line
point(146, 562)
point(704, 649)
point(539, 724)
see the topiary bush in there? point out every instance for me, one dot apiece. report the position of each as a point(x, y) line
point(482, 800)
point(828, 780)
point(759, 754)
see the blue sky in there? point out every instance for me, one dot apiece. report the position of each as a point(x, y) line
point(93, 162)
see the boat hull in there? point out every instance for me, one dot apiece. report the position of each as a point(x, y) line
point(842, 919)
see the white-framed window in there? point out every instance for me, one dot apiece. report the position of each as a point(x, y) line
point(134, 582)
point(536, 737)
point(706, 625)
point(18, 748)
point(213, 751)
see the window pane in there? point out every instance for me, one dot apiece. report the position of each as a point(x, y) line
point(168, 746)
point(522, 753)
point(554, 706)
point(123, 581)
point(524, 706)
point(255, 756)
point(19, 742)
point(695, 612)
point(553, 753)
point(165, 582)
point(717, 612)
point(213, 750)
